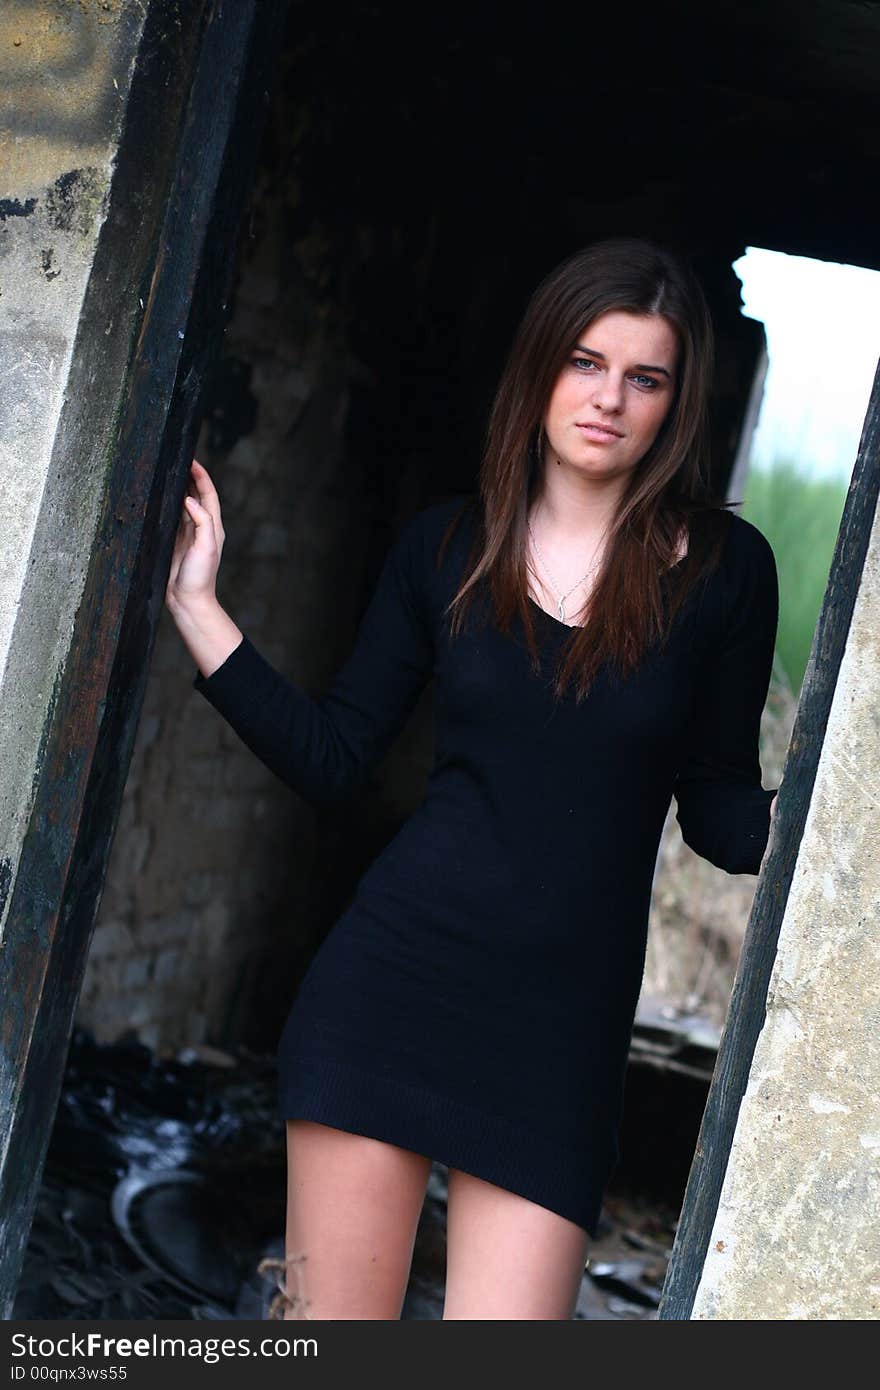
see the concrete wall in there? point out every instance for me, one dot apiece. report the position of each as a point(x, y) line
point(65, 75)
point(796, 1234)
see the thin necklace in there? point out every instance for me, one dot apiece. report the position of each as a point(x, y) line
point(560, 605)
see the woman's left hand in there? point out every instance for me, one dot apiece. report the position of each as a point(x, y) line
point(767, 850)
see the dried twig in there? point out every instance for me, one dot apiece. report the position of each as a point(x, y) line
point(284, 1299)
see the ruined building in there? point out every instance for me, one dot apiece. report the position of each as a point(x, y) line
point(297, 239)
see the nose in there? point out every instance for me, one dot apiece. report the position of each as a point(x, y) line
point(608, 392)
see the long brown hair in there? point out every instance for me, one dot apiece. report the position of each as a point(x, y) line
point(629, 606)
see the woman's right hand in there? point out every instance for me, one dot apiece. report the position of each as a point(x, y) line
point(198, 545)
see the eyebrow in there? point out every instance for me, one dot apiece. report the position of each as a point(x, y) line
point(638, 366)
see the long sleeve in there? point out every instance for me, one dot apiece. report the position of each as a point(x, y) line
point(324, 746)
point(722, 808)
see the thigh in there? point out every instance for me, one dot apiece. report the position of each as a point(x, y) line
point(353, 1207)
point(507, 1257)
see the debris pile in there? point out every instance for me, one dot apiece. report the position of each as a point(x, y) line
point(163, 1196)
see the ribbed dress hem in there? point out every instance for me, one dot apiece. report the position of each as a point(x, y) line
point(446, 1130)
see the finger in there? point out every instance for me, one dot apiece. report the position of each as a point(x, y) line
point(207, 496)
point(201, 477)
point(183, 539)
point(185, 514)
point(198, 515)
point(202, 539)
point(196, 510)
point(201, 489)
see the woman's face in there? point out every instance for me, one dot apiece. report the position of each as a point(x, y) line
point(613, 394)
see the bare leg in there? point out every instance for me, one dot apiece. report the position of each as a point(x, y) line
point(353, 1208)
point(507, 1257)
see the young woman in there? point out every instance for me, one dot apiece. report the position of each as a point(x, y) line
point(601, 636)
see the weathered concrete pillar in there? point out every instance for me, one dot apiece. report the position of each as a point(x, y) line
point(801, 1028)
point(797, 1233)
point(128, 132)
point(57, 151)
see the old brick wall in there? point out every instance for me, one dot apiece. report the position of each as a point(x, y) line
point(220, 879)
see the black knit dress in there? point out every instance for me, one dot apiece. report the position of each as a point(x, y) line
point(475, 1000)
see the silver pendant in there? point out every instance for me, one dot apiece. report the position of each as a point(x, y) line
point(561, 610)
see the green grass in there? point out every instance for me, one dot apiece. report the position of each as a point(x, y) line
point(800, 516)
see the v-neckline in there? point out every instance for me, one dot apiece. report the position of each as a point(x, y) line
point(570, 627)
point(558, 621)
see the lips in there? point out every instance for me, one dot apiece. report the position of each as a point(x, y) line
point(596, 428)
